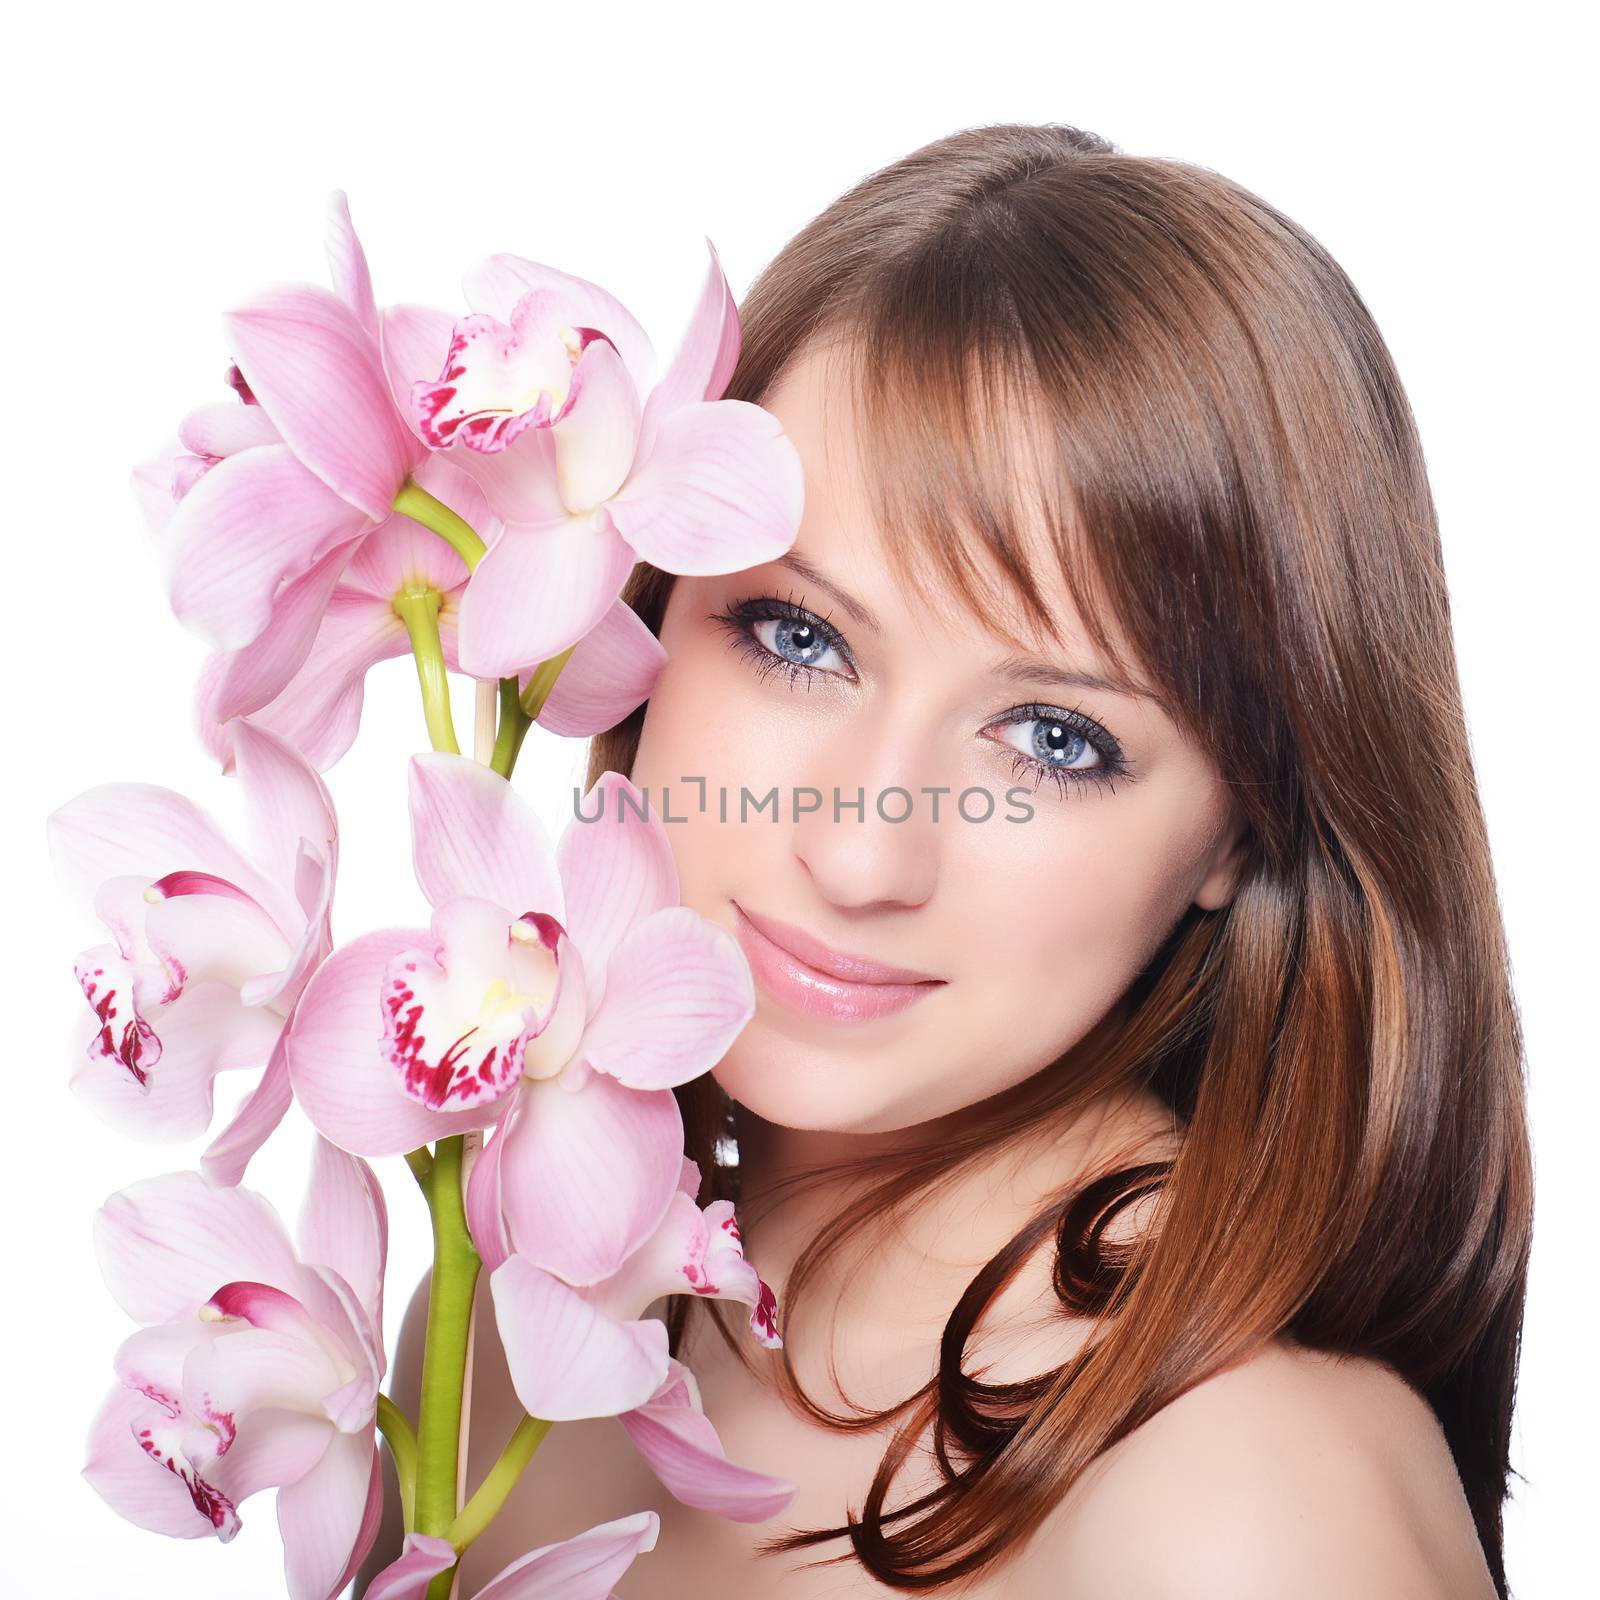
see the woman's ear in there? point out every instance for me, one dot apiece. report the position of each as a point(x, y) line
point(1228, 858)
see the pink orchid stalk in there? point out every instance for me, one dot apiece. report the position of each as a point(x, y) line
point(211, 944)
point(474, 492)
point(257, 1365)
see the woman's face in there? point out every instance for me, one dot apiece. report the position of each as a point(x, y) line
point(1032, 919)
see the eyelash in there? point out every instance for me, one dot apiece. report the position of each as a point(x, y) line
point(739, 620)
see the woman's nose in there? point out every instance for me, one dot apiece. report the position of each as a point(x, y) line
point(865, 831)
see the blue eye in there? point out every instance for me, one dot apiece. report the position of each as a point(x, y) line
point(779, 635)
point(1059, 743)
point(802, 644)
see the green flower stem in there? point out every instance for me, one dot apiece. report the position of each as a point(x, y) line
point(542, 682)
point(395, 1426)
point(418, 608)
point(415, 502)
point(514, 723)
point(502, 1477)
point(420, 1161)
point(444, 1355)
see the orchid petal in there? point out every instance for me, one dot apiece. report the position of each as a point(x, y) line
point(568, 1360)
point(721, 490)
point(319, 709)
point(422, 1558)
point(367, 1532)
point(123, 991)
point(324, 1518)
point(166, 1244)
point(347, 264)
point(538, 589)
point(595, 438)
point(555, 1213)
point(341, 1076)
point(314, 875)
point(265, 1368)
point(285, 801)
point(678, 993)
point(413, 341)
point(519, 483)
point(402, 554)
point(152, 486)
point(205, 933)
point(580, 1568)
point(134, 1484)
point(455, 1027)
point(706, 357)
point(344, 1223)
point(223, 1162)
point(612, 670)
point(485, 1197)
point(252, 521)
point(152, 1360)
point(317, 372)
point(206, 1030)
point(223, 428)
point(338, 1308)
point(616, 870)
point(498, 380)
point(496, 284)
point(118, 829)
point(273, 1448)
point(691, 1252)
point(258, 671)
point(678, 1440)
point(473, 834)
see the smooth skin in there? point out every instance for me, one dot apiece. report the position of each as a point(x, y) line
point(1293, 1474)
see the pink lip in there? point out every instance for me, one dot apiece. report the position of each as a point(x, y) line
point(819, 981)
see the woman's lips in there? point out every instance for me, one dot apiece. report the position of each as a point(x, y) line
point(835, 994)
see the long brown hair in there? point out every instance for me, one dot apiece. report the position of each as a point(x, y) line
point(1230, 469)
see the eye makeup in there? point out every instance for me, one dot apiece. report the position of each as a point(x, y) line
point(776, 634)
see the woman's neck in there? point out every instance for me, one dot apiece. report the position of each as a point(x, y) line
point(917, 1268)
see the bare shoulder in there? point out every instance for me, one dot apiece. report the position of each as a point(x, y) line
point(1292, 1473)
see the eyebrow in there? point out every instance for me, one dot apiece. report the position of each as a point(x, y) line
point(1022, 669)
point(798, 563)
point(1016, 669)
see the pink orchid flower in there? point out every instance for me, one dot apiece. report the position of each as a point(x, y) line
point(257, 1367)
point(569, 985)
point(540, 394)
point(583, 1568)
point(275, 491)
point(212, 944)
point(610, 672)
point(590, 1351)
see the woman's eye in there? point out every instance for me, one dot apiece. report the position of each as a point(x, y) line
point(801, 643)
point(778, 635)
point(1052, 744)
point(1067, 747)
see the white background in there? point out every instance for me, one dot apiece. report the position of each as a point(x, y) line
point(162, 161)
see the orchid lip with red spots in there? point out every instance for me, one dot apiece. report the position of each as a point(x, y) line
point(212, 943)
point(256, 1366)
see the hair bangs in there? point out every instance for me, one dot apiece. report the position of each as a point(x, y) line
point(963, 463)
